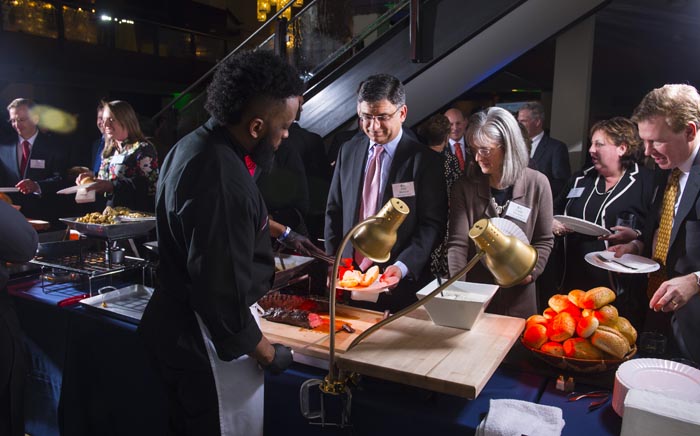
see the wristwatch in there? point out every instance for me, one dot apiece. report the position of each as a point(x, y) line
point(697, 278)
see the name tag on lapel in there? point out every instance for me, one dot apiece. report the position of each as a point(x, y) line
point(518, 211)
point(37, 164)
point(405, 189)
point(575, 193)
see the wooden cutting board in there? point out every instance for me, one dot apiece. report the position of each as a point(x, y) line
point(315, 343)
point(414, 351)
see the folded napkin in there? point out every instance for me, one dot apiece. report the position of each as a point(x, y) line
point(516, 418)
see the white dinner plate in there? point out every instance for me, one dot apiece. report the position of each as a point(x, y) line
point(641, 264)
point(582, 226)
point(74, 189)
point(11, 189)
point(509, 228)
point(674, 379)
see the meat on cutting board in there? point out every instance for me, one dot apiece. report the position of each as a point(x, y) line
point(296, 317)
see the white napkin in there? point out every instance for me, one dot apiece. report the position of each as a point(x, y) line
point(516, 418)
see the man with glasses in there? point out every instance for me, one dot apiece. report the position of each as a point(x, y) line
point(383, 163)
point(33, 163)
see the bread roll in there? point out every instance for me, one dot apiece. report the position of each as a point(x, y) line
point(535, 335)
point(597, 297)
point(370, 276)
point(575, 297)
point(549, 313)
point(587, 312)
point(610, 341)
point(586, 326)
point(581, 348)
point(559, 302)
point(607, 315)
point(628, 331)
point(86, 180)
point(553, 348)
point(350, 279)
point(563, 327)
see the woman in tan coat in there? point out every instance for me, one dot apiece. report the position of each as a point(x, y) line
point(499, 184)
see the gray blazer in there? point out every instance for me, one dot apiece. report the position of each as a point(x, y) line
point(471, 201)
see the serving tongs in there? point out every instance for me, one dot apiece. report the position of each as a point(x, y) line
point(323, 257)
point(603, 395)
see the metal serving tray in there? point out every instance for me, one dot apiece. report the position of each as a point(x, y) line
point(122, 230)
point(126, 303)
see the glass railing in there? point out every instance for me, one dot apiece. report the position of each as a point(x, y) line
point(320, 35)
point(81, 23)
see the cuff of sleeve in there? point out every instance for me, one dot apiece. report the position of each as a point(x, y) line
point(242, 342)
point(402, 266)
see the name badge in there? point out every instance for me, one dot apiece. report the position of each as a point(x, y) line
point(118, 159)
point(405, 189)
point(575, 193)
point(518, 211)
point(37, 163)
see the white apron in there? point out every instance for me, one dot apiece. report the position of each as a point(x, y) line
point(239, 388)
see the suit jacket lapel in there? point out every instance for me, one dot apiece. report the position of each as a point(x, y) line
point(690, 193)
point(539, 151)
point(357, 170)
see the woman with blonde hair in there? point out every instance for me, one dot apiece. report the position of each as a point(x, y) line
point(500, 185)
point(129, 170)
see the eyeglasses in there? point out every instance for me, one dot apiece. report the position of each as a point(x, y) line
point(379, 118)
point(483, 151)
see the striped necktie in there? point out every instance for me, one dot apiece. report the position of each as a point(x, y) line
point(664, 235)
point(370, 196)
point(460, 155)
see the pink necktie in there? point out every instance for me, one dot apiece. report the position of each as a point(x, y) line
point(25, 158)
point(460, 155)
point(370, 196)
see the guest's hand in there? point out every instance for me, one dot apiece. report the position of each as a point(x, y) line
point(620, 235)
point(633, 247)
point(27, 186)
point(674, 294)
point(559, 229)
point(392, 271)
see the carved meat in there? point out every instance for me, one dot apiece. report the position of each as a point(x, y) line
point(291, 302)
point(296, 317)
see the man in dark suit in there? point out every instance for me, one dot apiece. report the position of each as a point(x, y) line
point(550, 156)
point(458, 143)
point(34, 163)
point(405, 169)
point(668, 120)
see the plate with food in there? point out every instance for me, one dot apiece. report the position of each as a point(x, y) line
point(584, 227)
point(370, 281)
point(74, 189)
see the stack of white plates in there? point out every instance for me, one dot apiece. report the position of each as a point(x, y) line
point(666, 377)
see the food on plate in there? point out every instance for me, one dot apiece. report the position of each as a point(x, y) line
point(355, 278)
point(370, 276)
point(297, 317)
point(535, 335)
point(597, 297)
point(562, 327)
point(96, 218)
point(585, 325)
point(86, 180)
point(607, 315)
point(581, 348)
point(110, 215)
point(611, 341)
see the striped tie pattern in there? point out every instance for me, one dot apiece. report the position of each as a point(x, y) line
point(664, 235)
point(370, 196)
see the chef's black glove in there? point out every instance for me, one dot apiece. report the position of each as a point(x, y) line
point(299, 243)
point(281, 361)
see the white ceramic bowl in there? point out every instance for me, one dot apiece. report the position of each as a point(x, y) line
point(460, 305)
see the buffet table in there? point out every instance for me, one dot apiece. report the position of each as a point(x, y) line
point(90, 375)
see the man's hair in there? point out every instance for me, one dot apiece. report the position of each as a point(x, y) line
point(380, 87)
point(678, 104)
point(622, 131)
point(14, 104)
point(435, 130)
point(249, 77)
point(536, 109)
point(498, 126)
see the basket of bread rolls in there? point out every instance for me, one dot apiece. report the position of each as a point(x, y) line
point(581, 332)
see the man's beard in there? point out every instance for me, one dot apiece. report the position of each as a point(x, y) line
point(263, 155)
